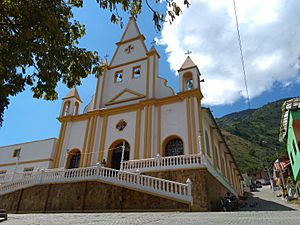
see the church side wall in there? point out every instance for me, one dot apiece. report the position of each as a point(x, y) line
point(36, 154)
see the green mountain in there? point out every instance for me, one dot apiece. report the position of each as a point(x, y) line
point(252, 135)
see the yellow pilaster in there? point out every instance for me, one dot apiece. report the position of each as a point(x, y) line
point(83, 155)
point(212, 140)
point(221, 159)
point(91, 141)
point(159, 130)
point(102, 139)
point(194, 126)
point(188, 111)
point(137, 134)
point(200, 126)
point(149, 132)
point(146, 131)
point(59, 144)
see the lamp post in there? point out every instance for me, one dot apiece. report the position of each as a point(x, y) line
point(122, 156)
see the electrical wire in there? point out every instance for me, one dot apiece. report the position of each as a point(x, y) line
point(242, 55)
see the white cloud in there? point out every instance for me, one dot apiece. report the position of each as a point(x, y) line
point(270, 31)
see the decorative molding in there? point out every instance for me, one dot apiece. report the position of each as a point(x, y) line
point(137, 96)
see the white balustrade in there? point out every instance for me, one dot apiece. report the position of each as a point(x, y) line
point(164, 163)
point(136, 181)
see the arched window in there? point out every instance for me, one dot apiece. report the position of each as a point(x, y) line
point(66, 108)
point(207, 144)
point(73, 159)
point(76, 108)
point(174, 147)
point(188, 82)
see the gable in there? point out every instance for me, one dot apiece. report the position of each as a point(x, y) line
point(131, 48)
point(124, 96)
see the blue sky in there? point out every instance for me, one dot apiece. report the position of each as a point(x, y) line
point(29, 119)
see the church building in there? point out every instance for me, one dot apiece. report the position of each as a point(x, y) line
point(135, 122)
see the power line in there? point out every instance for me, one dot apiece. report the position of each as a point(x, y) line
point(242, 55)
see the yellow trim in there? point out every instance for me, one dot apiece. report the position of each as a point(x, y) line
point(221, 159)
point(132, 72)
point(188, 111)
point(154, 76)
point(212, 140)
point(57, 146)
point(103, 136)
point(150, 131)
point(194, 126)
point(97, 89)
point(201, 126)
point(147, 78)
point(137, 134)
point(26, 162)
point(153, 53)
point(159, 130)
point(89, 142)
point(92, 140)
point(127, 63)
point(145, 131)
point(82, 159)
point(139, 37)
point(60, 145)
point(112, 101)
point(102, 89)
point(132, 107)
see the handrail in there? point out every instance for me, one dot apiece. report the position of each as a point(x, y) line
point(159, 163)
point(136, 181)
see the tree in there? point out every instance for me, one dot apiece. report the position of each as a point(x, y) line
point(39, 44)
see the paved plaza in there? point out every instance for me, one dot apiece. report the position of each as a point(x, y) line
point(262, 208)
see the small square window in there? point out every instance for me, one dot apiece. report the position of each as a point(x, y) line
point(136, 72)
point(118, 76)
point(17, 153)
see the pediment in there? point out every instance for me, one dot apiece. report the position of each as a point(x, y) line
point(125, 96)
point(131, 46)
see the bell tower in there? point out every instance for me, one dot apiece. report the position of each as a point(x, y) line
point(189, 76)
point(71, 104)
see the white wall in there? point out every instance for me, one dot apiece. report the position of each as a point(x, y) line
point(37, 154)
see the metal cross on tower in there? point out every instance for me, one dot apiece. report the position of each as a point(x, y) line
point(188, 52)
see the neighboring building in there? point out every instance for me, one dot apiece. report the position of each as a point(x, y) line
point(25, 157)
point(135, 115)
point(290, 134)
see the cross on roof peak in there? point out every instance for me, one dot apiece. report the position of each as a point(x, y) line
point(188, 52)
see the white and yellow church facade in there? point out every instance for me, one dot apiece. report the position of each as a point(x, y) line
point(134, 116)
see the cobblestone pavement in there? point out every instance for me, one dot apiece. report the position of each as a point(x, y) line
point(262, 208)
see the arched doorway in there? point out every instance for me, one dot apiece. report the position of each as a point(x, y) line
point(73, 159)
point(173, 146)
point(115, 155)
